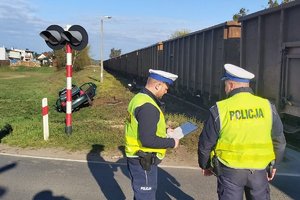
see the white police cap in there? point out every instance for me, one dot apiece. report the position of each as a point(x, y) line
point(237, 74)
point(162, 76)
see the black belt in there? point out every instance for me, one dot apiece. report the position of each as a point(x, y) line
point(145, 159)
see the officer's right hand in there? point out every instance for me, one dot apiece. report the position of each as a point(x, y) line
point(176, 142)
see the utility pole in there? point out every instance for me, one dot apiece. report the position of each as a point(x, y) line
point(101, 47)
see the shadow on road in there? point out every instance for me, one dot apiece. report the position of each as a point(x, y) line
point(3, 169)
point(169, 186)
point(47, 195)
point(2, 191)
point(104, 174)
point(8, 167)
point(123, 163)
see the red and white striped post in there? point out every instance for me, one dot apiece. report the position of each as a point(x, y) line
point(45, 110)
point(68, 128)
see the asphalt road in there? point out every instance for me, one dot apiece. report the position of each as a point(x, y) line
point(36, 178)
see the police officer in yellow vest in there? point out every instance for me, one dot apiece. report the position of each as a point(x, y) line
point(241, 138)
point(145, 134)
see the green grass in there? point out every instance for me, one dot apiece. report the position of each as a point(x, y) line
point(22, 90)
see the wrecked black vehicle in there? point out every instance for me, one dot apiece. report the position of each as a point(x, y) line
point(81, 96)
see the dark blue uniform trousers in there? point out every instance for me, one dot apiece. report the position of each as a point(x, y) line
point(234, 182)
point(144, 183)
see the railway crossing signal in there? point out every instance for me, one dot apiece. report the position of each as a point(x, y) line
point(56, 38)
point(76, 36)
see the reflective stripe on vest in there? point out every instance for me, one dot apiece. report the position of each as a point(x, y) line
point(132, 142)
point(245, 132)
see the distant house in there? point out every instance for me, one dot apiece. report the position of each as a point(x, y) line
point(28, 55)
point(45, 59)
point(17, 57)
point(21, 55)
point(42, 57)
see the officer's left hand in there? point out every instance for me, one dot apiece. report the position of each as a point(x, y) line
point(170, 131)
point(207, 172)
point(273, 174)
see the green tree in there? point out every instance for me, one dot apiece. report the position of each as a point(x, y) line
point(80, 59)
point(179, 33)
point(241, 13)
point(114, 53)
point(59, 59)
point(272, 3)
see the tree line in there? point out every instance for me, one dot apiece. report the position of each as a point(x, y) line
point(271, 4)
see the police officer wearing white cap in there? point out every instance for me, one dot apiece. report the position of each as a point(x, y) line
point(242, 140)
point(145, 134)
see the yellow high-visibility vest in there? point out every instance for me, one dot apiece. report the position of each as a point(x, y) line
point(245, 132)
point(132, 142)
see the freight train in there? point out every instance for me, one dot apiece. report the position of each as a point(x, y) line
point(266, 43)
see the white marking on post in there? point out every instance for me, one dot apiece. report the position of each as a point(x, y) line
point(69, 107)
point(69, 83)
point(69, 58)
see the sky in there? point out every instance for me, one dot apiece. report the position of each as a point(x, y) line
point(135, 24)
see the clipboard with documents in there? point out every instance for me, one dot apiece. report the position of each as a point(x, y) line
point(183, 130)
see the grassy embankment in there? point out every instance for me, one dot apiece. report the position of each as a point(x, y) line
point(22, 90)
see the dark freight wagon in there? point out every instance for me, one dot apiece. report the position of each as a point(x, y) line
point(270, 48)
point(198, 59)
point(149, 58)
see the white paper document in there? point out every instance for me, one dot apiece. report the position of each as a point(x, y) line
point(183, 130)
